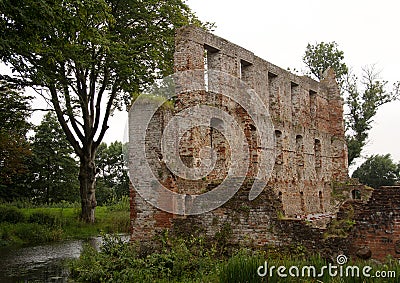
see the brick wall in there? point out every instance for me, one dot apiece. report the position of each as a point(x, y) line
point(377, 226)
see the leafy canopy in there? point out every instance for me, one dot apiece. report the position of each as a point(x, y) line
point(52, 164)
point(319, 57)
point(89, 55)
point(378, 170)
point(112, 180)
point(14, 147)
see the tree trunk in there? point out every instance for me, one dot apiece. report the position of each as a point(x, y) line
point(87, 181)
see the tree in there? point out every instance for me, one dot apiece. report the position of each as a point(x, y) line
point(362, 107)
point(14, 147)
point(377, 171)
point(87, 58)
point(113, 177)
point(362, 98)
point(53, 165)
point(319, 57)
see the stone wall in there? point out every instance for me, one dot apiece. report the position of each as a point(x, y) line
point(309, 151)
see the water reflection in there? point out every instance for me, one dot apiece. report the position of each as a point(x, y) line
point(44, 263)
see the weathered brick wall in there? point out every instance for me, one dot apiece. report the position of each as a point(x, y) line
point(310, 149)
point(377, 225)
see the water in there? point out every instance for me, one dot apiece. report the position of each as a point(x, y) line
point(44, 263)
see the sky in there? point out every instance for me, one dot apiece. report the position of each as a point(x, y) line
point(278, 31)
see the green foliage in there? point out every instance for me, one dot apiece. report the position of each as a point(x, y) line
point(122, 204)
point(113, 180)
point(223, 238)
point(28, 233)
point(378, 170)
point(181, 261)
point(54, 169)
point(339, 228)
point(11, 214)
point(321, 56)
point(58, 221)
point(89, 57)
point(362, 106)
point(191, 260)
point(14, 147)
point(44, 218)
point(242, 268)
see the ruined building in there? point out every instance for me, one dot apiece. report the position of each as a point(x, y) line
point(305, 151)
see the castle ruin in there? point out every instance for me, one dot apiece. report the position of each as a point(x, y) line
point(308, 153)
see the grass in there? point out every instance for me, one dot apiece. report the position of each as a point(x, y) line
point(30, 224)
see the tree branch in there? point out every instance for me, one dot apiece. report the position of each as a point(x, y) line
point(70, 111)
point(63, 123)
point(98, 102)
point(104, 127)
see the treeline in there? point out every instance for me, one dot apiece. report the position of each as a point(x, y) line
point(37, 163)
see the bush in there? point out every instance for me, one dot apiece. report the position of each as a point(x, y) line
point(44, 218)
point(28, 233)
point(120, 262)
point(34, 233)
point(11, 214)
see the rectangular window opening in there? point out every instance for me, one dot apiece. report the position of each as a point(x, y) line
point(313, 103)
point(244, 69)
point(299, 150)
point(317, 154)
point(278, 147)
point(209, 62)
point(295, 98)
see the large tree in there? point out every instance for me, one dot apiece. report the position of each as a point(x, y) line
point(87, 58)
point(362, 97)
point(378, 170)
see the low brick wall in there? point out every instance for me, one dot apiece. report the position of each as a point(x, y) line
point(377, 226)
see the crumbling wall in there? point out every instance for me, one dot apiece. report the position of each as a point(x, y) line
point(309, 144)
point(376, 231)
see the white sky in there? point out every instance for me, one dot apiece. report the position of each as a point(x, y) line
point(278, 31)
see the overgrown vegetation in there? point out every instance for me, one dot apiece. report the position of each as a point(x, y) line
point(23, 223)
point(194, 259)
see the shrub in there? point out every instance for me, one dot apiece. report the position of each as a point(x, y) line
point(11, 214)
point(28, 233)
point(34, 233)
point(44, 218)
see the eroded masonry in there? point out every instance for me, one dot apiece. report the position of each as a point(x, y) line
point(309, 153)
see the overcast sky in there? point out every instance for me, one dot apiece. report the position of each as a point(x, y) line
point(278, 31)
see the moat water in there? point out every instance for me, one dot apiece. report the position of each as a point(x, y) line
point(43, 263)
